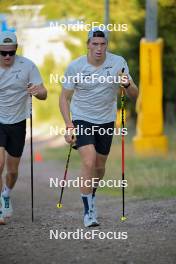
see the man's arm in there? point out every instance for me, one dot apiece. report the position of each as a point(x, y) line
point(39, 91)
point(64, 104)
point(132, 90)
point(129, 86)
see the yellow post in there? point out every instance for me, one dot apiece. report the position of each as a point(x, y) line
point(150, 138)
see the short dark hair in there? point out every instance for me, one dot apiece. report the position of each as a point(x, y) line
point(99, 34)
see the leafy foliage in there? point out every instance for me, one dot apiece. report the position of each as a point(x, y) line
point(125, 43)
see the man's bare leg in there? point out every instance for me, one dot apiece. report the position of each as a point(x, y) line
point(99, 169)
point(88, 160)
point(12, 170)
point(12, 164)
point(2, 163)
point(99, 174)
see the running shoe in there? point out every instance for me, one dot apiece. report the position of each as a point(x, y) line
point(89, 217)
point(90, 220)
point(2, 221)
point(6, 206)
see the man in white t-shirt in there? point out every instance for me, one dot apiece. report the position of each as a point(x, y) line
point(19, 80)
point(90, 93)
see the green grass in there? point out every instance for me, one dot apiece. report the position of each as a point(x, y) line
point(148, 177)
point(60, 154)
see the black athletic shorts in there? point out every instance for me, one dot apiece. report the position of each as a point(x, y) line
point(12, 137)
point(99, 136)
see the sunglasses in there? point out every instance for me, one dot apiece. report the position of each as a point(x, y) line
point(5, 53)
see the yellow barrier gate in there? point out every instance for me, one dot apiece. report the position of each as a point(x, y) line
point(150, 138)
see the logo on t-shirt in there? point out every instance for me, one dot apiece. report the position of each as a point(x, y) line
point(107, 67)
point(7, 40)
point(16, 74)
point(108, 73)
point(86, 75)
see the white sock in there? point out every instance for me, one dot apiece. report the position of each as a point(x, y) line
point(6, 191)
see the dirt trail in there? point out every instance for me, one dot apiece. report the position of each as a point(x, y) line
point(151, 226)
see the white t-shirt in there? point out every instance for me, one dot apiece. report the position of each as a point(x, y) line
point(96, 101)
point(14, 99)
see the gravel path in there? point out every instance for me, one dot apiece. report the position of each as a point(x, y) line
point(150, 227)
